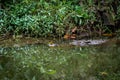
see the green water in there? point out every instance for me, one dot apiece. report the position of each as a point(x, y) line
point(41, 62)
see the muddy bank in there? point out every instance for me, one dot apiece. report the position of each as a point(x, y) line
point(23, 41)
point(11, 42)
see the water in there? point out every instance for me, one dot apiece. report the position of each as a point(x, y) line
point(63, 62)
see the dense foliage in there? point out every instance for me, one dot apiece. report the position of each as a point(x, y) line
point(51, 17)
point(43, 17)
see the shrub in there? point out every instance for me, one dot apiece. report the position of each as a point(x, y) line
point(43, 18)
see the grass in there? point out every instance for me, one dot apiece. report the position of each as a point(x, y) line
point(40, 62)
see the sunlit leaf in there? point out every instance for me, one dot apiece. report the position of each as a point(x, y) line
point(42, 70)
point(51, 71)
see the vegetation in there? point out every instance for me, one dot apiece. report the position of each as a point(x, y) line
point(45, 18)
point(58, 18)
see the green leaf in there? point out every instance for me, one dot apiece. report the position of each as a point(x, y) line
point(42, 70)
point(51, 71)
point(33, 78)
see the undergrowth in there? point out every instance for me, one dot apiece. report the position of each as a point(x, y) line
point(43, 18)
